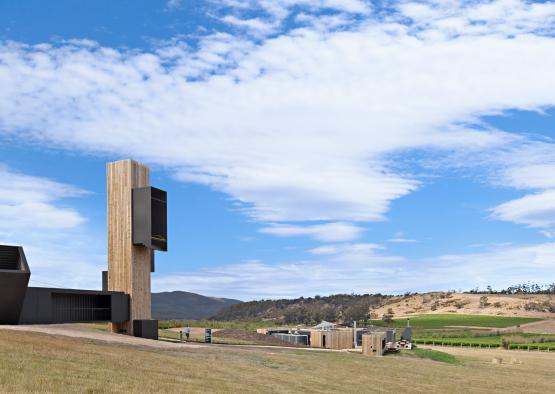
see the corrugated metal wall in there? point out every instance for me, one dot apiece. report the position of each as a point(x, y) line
point(291, 338)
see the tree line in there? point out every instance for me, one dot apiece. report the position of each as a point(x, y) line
point(310, 310)
point(523, 288)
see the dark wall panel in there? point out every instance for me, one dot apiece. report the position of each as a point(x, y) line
point(14, 278)
point(49, 306)
point(80, 308)
point(37, 308)
point(13, 286)
point(145, 329)
point(120, 308)
point(150, 226)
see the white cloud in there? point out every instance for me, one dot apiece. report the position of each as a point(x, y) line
point(303, 126)
point(530, 167)
point(28, 201)
point(348, 251)
point(364, 270)
point(349, 267)
point(402, 240)
point(256, 25)
point(174, 4)
point(534, 176)
point(59, 250)
point(279, 9)
point(534, 210)
point(306, 126)
point(451, 18)
point(500, 267)
point(329, 232)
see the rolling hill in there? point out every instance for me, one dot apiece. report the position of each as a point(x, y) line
point(339, 307)
point(184, 305)
point(524, 305)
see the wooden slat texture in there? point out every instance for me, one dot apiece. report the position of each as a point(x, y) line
point(339, 340)
point(316, 339)
point(128, 265)
point(334, 339)
point(373, 344)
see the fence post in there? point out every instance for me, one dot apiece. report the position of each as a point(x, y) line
point(181, 336)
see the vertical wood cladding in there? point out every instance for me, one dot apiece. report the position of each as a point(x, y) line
point(128, 265)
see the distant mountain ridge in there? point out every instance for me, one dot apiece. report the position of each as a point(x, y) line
point(177, 305)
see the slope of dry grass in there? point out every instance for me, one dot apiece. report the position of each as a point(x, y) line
point(524, 305)
point(39, 362)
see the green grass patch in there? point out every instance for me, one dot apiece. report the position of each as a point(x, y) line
point(492, 341)
point(445, 320)
point(434, 355)
point(545, 346)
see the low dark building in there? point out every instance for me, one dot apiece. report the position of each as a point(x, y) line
point(20, 304)
point(53, 306)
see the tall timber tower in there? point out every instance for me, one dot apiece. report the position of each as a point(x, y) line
point(137, 226)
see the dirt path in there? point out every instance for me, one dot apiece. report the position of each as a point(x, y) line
point(77, 331)
point(539, 327)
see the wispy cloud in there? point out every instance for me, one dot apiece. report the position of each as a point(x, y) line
point(534, 210)
point(328, 232)
point(174, 4)
point(283, 143)
point(33, 214)
point(304, 126)
point(401, 239)
point(367, 270)
point(33, 202)
point(255, 25)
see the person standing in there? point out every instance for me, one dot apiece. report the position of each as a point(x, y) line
point(187, 332)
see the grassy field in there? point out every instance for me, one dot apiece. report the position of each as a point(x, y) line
point(454, 341)
point(473, 330)
point(31, 362)
point(434, 355)
point(427, 322)
point(234, 325)
point(439, 329)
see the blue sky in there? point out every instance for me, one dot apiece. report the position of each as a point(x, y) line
point(308, 146)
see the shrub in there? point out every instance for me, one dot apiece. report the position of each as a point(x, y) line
point(461, 303)
point(387, 318)
point(484, 302)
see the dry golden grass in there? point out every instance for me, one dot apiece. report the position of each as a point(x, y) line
point(39, 362)
point(463, 303)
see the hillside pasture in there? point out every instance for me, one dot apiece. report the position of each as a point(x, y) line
point(450, 321)
point(32, 362)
